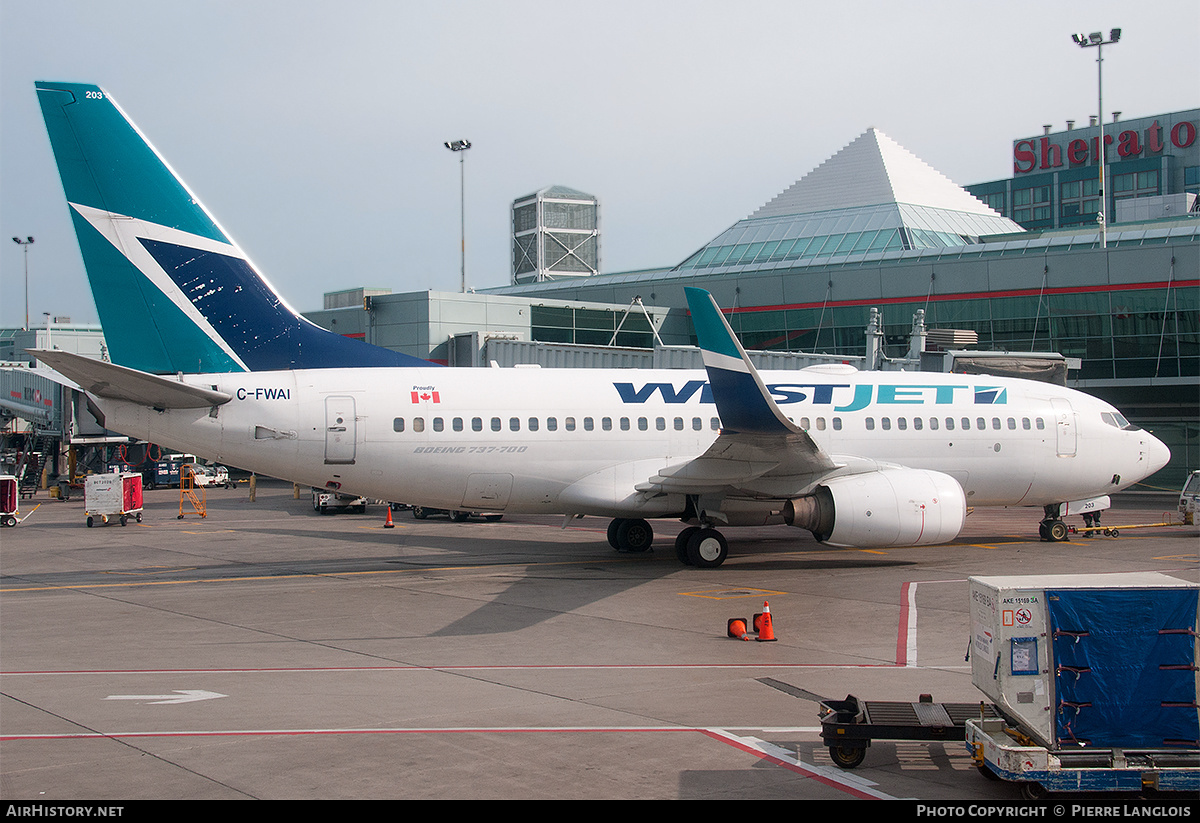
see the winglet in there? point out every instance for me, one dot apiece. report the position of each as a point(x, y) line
point(743, 402)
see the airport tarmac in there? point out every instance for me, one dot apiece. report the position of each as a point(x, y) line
point(267, 651)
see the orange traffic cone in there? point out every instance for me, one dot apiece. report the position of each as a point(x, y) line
point(388, 524)
point(762, 623)
point(737, 629)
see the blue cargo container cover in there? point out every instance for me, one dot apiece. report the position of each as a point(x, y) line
point(1125, 667)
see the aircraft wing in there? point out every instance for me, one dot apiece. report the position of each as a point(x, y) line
point(759, 450)
point(120, 383)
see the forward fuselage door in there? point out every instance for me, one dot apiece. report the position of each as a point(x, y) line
point(1064, 426)
point(341, 430)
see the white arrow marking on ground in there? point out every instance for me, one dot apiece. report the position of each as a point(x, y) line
point(180, 696)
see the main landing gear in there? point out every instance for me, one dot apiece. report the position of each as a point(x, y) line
point(704, 548)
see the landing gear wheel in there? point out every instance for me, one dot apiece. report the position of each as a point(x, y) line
point(681, 544)
point(707, 549)
point(1058, 531)
point(634, 535)
point(847, 757)
point(612, 533)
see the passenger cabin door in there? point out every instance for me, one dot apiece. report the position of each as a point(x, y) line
point(341, 430)
point(1064, 426)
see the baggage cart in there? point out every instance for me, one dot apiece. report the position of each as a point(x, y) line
point(9, 500)
point(848, 726)
point(116, 495)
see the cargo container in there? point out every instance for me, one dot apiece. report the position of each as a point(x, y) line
point(1094, 678)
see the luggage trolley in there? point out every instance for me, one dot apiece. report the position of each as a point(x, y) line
point(113, 495)
point(9, 497)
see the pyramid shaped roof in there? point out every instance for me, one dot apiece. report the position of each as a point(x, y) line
point(872, 196)
point(871, 171)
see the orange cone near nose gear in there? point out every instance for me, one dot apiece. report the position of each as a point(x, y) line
point(762, 623)
point(388, 524)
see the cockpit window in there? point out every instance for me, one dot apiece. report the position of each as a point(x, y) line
point(1117, 420)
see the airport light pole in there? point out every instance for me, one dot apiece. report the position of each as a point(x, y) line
point(461, 146)
point(25, 244)
point(1087, 41)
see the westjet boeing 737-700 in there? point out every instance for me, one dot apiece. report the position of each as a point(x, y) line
point(208, 359)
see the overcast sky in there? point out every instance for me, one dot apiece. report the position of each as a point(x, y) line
point(313, 131)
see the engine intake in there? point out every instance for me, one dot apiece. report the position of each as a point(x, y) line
point(891, 507)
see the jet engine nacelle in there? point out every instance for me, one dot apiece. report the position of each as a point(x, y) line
point(890, 507)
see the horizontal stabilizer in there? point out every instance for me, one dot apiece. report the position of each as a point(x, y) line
point(119, 383)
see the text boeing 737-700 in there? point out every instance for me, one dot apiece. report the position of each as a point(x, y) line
point(865, 459)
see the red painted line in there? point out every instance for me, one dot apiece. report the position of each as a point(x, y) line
point(792, 767)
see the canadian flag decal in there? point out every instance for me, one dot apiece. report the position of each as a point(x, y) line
point(426, 395)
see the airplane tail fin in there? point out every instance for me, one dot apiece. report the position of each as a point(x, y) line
point(173, 292)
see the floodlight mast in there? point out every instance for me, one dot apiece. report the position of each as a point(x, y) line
point(1085, 41)
point(461, 147)
point(25, 244)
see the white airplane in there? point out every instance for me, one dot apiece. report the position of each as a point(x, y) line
point(208, 359)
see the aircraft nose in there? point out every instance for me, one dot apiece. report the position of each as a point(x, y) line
point(1157, 454)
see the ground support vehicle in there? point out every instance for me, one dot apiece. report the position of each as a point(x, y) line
point(1189, 498)
point(326, 501)
point(848, 726)
point(115, 495)
point(1094, 679)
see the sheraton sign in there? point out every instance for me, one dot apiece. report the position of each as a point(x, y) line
point(1052, 152)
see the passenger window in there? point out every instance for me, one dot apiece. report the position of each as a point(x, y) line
point(496, 424)
point(624, 424)
point(678, 424)
point(1025, 423)
point(1012, 424)
point(715, 424)
point(418, 424)
point(458, 424)
point(476, 424)
point(966, 424)
point(980, 423)
point(996, 423)
point(589, 424)
point(804, 423)
point(398, 424)
point(1040, 423)
point(514, 424)
point(837, 424)
point(533, 424)
point(820, 424)
point(660, 423)
point(933, 424)
point(569, 424)
point(886, 423)
point(697, 424)
point(643, 424)
point(606, 423)
point(870, 424)
point(902, 423)
point(949, 424)
point(438, 424)
point(552, 424)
